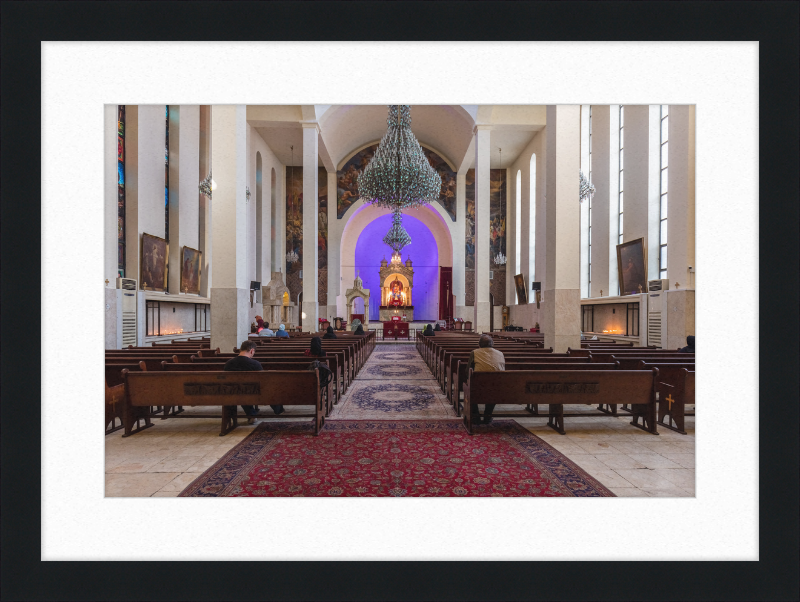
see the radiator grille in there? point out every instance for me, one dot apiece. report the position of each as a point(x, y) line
point(654, 328)
point(128, 328)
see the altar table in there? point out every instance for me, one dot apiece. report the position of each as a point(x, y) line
point(395, 330)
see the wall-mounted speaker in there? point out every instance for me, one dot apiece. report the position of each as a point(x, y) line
point(536, 286)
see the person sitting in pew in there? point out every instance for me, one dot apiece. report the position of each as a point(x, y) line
point(265, 331)
point(282, 334)
point(329, 334)
point(689, 346)
point(315, 349)
point(438, 328)
point(359, 331)
point(428, 332)
point(244, 362)
point(485, 359)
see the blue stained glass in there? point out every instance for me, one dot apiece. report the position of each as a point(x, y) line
point(121, 174)
point(166, 196)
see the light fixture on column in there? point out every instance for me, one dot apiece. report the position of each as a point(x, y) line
point(587, 188)
point(501, 259)
point(399, 175)
point(292, 256)
point(207, 186)
point(247, 193)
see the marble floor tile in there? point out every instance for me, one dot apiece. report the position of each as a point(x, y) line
point(588, 462)
point(654, 461)
point(645, 478)
point(614, 461)
point(684, 460)
point(166, 494)
point(596, 447)
point(668, 492)
point(610, 478)
point(628, 492)
point(181, 464)
point(137, 485)
point(682, 477)
point(180, 482)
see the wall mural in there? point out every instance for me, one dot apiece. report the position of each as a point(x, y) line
point(294, 231)
point(497, 232)
point(347, 180)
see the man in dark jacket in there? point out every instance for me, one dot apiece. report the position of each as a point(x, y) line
point(244, 362)
point(329, 334)
point(689, 345)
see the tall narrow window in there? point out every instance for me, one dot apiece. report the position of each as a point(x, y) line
point(662, 238)
point(166, 176)
point(621, 166)
point(518, 223)
point(121, 189)
point(589, 208)
point(532, 224)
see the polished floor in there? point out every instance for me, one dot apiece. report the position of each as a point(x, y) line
point(395, 384)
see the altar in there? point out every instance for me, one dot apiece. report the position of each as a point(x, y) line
point(395, 330)
point(397, 282)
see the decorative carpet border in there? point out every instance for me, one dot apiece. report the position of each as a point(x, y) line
point(226, 477)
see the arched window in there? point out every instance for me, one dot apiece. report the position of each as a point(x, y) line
point(259, 218)
point(532, 224)
point(518, 223)
point(273, 223)
point(166, 175)
point(589, 211)
point(621, 170)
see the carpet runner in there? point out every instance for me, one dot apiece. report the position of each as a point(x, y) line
point(402, 458)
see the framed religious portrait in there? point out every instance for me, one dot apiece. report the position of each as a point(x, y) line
point(632, 266)
point(155, 252)
point(191, 260)
point(522, 292)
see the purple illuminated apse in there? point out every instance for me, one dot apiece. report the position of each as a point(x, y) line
point(424, 254)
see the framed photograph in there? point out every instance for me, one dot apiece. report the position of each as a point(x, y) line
point(632, 266)
point(522, 292)
point(191, 260)
point(155, 252)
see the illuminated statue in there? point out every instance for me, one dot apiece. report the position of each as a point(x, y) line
point(396, 296)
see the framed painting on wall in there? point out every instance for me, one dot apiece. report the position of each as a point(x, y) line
point(522, 292)
point(191, 260)
point(632, 267)
point(155, 252)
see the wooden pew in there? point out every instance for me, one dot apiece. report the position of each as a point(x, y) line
point(328, 397)
point(627, 362)
point(674, 391)
point(226, 389)
point(557, 388)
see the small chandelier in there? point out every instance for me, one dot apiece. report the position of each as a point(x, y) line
point(207, 186)
point(292, 257)
point(587, 188)
point(500, 259)
point(247, 193)
point(397, 237)
point(396, 258)
point(399, 176)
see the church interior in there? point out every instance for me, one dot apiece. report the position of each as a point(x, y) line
point(446, 300)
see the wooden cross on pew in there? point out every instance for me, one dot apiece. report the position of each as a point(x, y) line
point(670, 401)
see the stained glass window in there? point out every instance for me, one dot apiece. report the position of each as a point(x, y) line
point(121, 189)
point(166, 176)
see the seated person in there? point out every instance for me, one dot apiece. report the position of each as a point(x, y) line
point(485, 359)
point(329, 334)
point(438, 328)
point(689, 346)
point(244, 362)
point(265, 331)
point(428, 332)
point(282, 334)
point(315, 349)
point(359, 331)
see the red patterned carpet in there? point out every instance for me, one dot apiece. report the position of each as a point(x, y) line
point(364, 458)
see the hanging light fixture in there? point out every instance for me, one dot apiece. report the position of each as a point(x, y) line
point(399, 176)
point(292, 256)
point(586, 188)
point(501, 259)
point(397, 237)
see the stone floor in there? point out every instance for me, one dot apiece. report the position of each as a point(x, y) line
point(395, 384)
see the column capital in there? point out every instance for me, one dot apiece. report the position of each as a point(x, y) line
point(482, 126)
point(310, 124)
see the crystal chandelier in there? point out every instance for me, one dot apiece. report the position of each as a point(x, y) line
point(207, 186)
point(397, 237)
point(399, 175)
point(292, 257)
point(500, 259)
point(587, 188)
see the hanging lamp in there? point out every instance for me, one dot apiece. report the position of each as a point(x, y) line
point(291, 256)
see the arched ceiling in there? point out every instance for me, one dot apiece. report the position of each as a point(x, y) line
point(344, 129)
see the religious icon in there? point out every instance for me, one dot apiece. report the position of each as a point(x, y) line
point(190, 270)
point(155, 251)
point(396, 295)
point(632, 266)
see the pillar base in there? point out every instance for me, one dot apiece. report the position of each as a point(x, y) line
point(311, 319)
point(481, 317)
point(562, 319)
point(231, 324)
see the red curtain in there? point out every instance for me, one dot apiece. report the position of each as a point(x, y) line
point(445, 293)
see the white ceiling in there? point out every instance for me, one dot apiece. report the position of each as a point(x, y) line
point(447, 129)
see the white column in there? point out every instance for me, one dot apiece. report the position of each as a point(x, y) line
point(459, 243)
point(184, 176)
point(230, 296)
point(562, 322)
point(584, 260)
point(637, 175)
point(110, 240)
point(482, 218)
point(334, 260)
point(680, 208)
point(204, 217)
point(310, 226)
point(613, 200)
point(653, 189)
